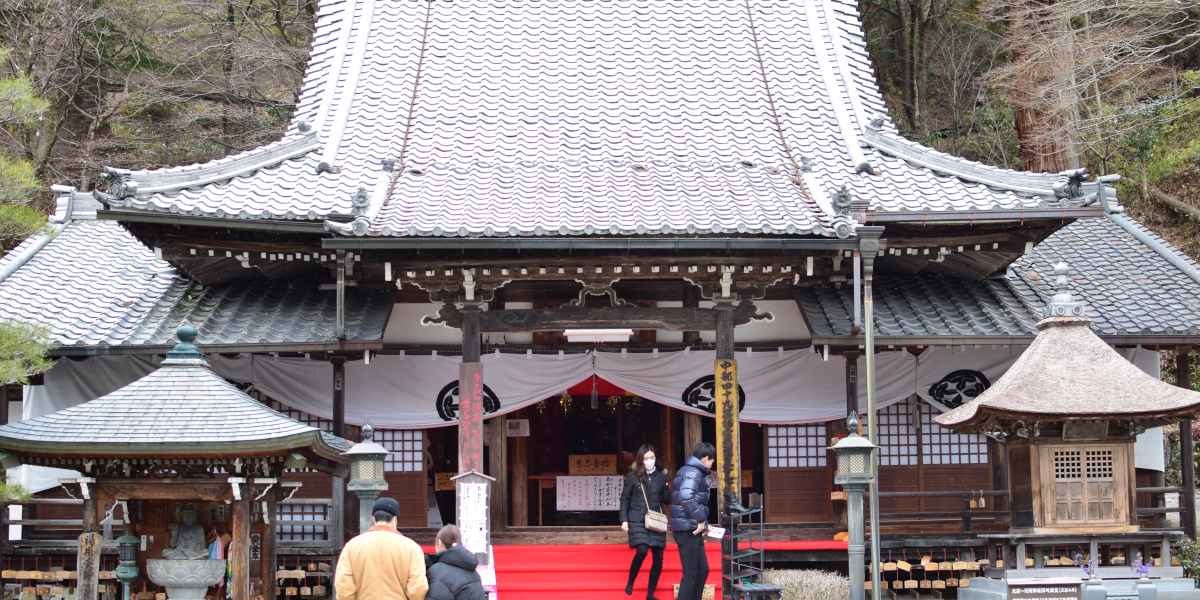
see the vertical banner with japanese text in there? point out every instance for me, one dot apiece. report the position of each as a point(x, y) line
point(726, 392)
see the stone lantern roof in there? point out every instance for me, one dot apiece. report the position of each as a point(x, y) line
point(1070, 374)
point(182, 409)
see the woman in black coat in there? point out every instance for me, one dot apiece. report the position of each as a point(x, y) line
point(452, 575)
point(645, 484)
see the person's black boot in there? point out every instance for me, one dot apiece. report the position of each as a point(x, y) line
point(655, 571)
point(629, 586)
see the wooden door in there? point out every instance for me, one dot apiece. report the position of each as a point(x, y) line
point(798, 476)
point(1088, 484)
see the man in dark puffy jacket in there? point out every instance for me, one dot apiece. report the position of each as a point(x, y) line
point(689, 519)
point(452, 575)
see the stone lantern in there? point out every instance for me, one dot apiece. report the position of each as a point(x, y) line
point(366, 475)
point(127, 570)
point(854, 475)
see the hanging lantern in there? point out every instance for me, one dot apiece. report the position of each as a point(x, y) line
point(565, 401)
point(613, 402)
point(541, 407)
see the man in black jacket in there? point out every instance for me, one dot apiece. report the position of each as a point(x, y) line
point(689, 519)
point(453, 575)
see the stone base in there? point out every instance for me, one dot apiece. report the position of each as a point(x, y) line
point(185, 579)
point(1125, 586)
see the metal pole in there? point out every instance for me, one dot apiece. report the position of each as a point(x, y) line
point(1187, 458)
point(854, 514)
point(873, 435)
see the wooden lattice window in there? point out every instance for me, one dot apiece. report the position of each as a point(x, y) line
point(1067, 465)
point(897, 438)
point(307, 418)
point(290, 519)
point(940, 446)
point(796, 446)
point(407, 447)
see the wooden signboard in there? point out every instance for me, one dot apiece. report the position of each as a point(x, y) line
point(89, 566)
point(589, 493)
point(443, 482)
point(1045, 588)
point(592, 464)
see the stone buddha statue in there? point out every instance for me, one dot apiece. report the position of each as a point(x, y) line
point(187, 539)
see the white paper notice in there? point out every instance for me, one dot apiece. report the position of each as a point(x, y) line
point(473, 516)
point(716, 532)
point(589, 492)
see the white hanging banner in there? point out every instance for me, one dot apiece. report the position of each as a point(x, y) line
point(795, 386)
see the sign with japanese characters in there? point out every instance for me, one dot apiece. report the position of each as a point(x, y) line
point(472, 516)
point(592, 464)
point(1045, 588)
point(589, 493)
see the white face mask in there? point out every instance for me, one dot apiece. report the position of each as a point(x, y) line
point(649, 464)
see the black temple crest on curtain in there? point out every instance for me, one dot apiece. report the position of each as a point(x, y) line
point(959, 387)
point(447, 401)
point(702, 394)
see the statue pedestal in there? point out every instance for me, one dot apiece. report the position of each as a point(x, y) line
point(185, 579)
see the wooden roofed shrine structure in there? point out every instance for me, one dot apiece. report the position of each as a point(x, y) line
point(1067, 415)
point(177, 440)
point(432, 222)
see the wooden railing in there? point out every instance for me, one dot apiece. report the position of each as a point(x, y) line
point(966, 514)
point(50, 534)
point(321, 529)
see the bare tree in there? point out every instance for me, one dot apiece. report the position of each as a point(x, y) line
point(1081, 73)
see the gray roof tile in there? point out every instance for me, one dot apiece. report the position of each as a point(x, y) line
point(573, 117)
point(95, 285)
point(1127, 288)
point(182, 403)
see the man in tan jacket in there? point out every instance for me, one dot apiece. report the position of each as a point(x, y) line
point(381, 563)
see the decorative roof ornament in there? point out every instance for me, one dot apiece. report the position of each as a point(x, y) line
point(304, 127)
point(360, 201)
point(1069, 185)
point(185, 349)
point(1063, 304)
point(120, 182)
point(842, 199)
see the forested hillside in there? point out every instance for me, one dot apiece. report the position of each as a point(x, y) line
point(1044, 85)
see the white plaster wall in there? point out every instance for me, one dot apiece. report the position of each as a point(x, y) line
point(404, 327)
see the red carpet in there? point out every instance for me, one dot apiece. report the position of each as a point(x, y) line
point(599, 571)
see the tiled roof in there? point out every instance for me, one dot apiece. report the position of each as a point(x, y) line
point(574, 117)
point(95, 285)
point(1128, 289)
point(922, 305)
point(182, 404)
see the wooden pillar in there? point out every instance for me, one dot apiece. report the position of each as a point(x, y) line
point(88, 554)
point(691, 433)
point(269, 536)
point(728, 447)
point(4, 404)
point(670, 438)
point(726, 391)
point(470, 395)
point(91, 519)
point(520, 477)
point(240, 586)
point(1187, 450)
point(851, 359)
point(339, 395)
point(498, 469)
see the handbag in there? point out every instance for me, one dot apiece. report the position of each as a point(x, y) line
point(655, 520)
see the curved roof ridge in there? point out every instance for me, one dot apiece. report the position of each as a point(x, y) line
point(1042, 184)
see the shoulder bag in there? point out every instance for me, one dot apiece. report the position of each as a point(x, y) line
point(655, 520)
